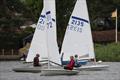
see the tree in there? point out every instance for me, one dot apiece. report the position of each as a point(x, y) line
point(64, 9)
point(34, 7)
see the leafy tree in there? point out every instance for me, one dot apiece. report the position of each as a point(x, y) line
point(34, 7)
point(31, 9)
point(64, 9)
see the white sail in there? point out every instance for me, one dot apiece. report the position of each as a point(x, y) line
point(51, 31)
point(38, 44)
point(44, 39)
point(78, 38)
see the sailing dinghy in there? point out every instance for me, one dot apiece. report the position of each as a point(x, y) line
point(78, 37)
point(52, 48)
point(38, 45)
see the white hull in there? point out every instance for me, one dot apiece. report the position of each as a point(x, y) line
point(93, 67)
point(32, 70)
point(58, 72)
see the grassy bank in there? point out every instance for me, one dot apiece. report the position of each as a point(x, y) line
point(108, 52)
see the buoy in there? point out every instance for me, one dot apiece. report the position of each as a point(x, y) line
point(99, 61)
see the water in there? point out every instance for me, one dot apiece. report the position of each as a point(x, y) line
point(6, 73)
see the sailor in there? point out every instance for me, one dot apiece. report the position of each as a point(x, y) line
point(77, 63)
point(71, 64)
point(36, 60)
point(23, 57)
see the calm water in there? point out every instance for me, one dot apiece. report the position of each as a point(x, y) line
point(6, 73)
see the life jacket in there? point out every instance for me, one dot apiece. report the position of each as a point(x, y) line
point(71, 64)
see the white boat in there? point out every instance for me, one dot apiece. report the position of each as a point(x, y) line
point(53, 48)
point(78, 37)
point(44, 40)
point(38, 45)
point(28, 67)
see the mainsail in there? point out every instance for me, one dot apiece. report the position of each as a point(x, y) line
point(51, 31)
point(38, 44)
point(44, 39)
point(78, 38)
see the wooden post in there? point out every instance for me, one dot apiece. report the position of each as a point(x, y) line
point(3, 52)
point(116, 37)
point(12, 51)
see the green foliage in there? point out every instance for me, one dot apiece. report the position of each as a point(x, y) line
point(11, 22)
point(98, 8)
point(8, 19)
point(8, 40)
point(34, 7)
point(64, 9)
point(15, 5)
point(29, 30)
point(94, 27)
point(13, 40)
point(108, 52)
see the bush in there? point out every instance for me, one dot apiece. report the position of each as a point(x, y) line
point(108, 52)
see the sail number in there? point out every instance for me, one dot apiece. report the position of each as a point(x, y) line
point(74, 28)
point(40, 24)
point(77, 22)
point(41, 21)
point(49, 20)
point(49, 24)
point(75, 25)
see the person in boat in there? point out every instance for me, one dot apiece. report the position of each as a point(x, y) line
point(71, 64)
point(36, 60)
point(63, 62)
point(23, 57)
point(77, 63)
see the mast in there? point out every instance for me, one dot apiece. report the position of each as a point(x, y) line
point(52, 48)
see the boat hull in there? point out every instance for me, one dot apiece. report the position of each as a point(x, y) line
point(32, 70)
point(58, 72)
point(93, 67)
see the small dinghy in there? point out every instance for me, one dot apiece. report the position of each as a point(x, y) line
point(31, 69)
point(78, 38)
point(48, 72)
